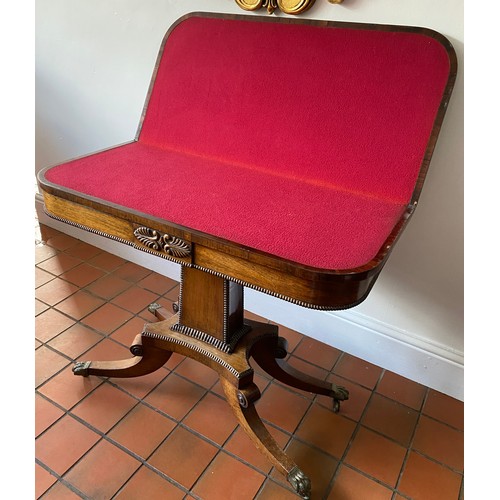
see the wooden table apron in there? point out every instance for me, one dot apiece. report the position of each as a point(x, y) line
point(209, 324)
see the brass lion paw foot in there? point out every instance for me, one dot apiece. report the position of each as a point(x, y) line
point(81, 368)
point(338, 394)
point(300, 483)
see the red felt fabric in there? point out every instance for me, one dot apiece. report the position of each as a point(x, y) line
point(306, 222)
point(299, 141)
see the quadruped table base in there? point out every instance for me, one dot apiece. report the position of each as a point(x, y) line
point(310, 216)
point(153, 347)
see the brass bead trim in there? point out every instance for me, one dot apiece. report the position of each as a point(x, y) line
point(200, 350)
point(117, 238)
point(274, 294)
point(209, 339)
point(297, 302)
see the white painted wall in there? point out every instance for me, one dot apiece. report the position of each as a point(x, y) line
point(94, 60)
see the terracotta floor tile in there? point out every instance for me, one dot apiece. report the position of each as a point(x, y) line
point(307, 369)
point(102, 471)
point(213, 418)
point(157, 283)
point(46, 232)
point(255, 317)
point(174, 361)
point(401, 389)
point(175, 396)
point(318, 466)
point(83, 250)
point(61, 241)
point(149, 485)
point(135, 299)
point(104, 407)
point(75, 340)
point(67, 389)
point(90, 305)
point(282, 407)
point(59, 263)
point(142, 430)
point(143, 385)
point(43, 480)
point(60, 492)
point(79, 304)
point(64, 443)
point(108, 286)
point(106, 350)
point(377, 456)
point(351, 485)
point(131, 272)
point(326, 430)
point(47, 364)
point(51, 323)
point(42, 277)
point(441, 442)
point(126, 333)
point(107, 318)
point(146, 315)
point(353, 407)
point(173, 295)
point(40, 307)
point(317, 353)
point(293, 337)
point(275, 491)
point(44, 252)
point(423, 479)
point(176, 459)
point(197, 372)
point(227, 477)
point(358, 371)
point(46, 413)
point(445, 408)
point(106, 261)
point(55, 291)
point(391, 419)
point(242, 446)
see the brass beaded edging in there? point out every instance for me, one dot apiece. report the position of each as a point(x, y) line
point(117, 238)
point(222, 345)
point(200, 350)
point(297, 302)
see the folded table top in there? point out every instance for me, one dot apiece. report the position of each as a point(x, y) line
point(302, 141)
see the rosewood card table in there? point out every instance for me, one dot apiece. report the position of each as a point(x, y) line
point(283, 155)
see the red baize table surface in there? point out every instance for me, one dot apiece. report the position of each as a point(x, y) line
point(301, 141)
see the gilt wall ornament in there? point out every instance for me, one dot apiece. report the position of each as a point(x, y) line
point(286, 6)
point(162, 242)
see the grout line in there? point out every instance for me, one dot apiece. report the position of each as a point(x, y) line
point(353, 435)
point(60, 479)
point(180, 423)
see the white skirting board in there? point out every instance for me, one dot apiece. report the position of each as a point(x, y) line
point(359, 335)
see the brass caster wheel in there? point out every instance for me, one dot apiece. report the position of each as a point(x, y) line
point(300, 483)
point(339, 394)
point(336, 406)
point(81, 368)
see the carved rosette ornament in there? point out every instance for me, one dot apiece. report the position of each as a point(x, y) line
point(286, 6)
point(162, 242)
